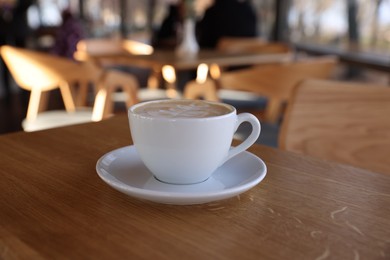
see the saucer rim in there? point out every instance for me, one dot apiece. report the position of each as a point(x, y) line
point(149, 194)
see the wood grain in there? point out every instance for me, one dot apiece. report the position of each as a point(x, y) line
point(344, 122)
point(54, 206)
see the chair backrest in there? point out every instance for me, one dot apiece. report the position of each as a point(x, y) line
point(45, 70)
point(33, 69)
point(343, 122)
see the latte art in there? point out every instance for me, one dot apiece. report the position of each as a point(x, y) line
point(182, 109)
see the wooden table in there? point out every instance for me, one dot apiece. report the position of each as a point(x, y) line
point(53, 205)
point(162, 58)
point(358, 57)
point(158, 59)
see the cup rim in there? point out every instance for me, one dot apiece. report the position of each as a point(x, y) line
point(133, 107)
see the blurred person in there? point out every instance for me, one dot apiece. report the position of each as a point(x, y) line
point(166, 36)
point(226, 18)
point(68, 35)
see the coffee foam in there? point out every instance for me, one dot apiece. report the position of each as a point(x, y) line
point(182, 109)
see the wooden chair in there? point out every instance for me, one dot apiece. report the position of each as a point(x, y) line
point(111, 82)
point(40, 73)
point(206, 90)
point(87, 48)
point(276, 81)
point(344, 122)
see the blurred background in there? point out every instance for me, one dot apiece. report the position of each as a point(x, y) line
point(308, 26)
point(326, 22)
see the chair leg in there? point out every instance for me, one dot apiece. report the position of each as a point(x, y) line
point(81, 99)
point(33, 104)
point(210, 89)
point(67, 97)
point(43, 101)
point(108, 108)
point(154, 78)
point(100, 104)
point(131, 88)
point(273, 110)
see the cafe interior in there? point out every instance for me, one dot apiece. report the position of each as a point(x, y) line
point(316, 74)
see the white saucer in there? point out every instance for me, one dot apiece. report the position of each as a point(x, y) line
point(124, 171)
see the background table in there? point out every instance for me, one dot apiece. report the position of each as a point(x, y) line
point(53, 205)
point(158, 59)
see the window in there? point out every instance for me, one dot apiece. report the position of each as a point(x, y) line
point(327, 22)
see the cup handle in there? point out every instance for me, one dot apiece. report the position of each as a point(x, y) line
point(251, 139)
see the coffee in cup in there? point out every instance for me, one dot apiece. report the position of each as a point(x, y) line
point(185, 141)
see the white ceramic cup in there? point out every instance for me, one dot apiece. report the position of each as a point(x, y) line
point(181, 145)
